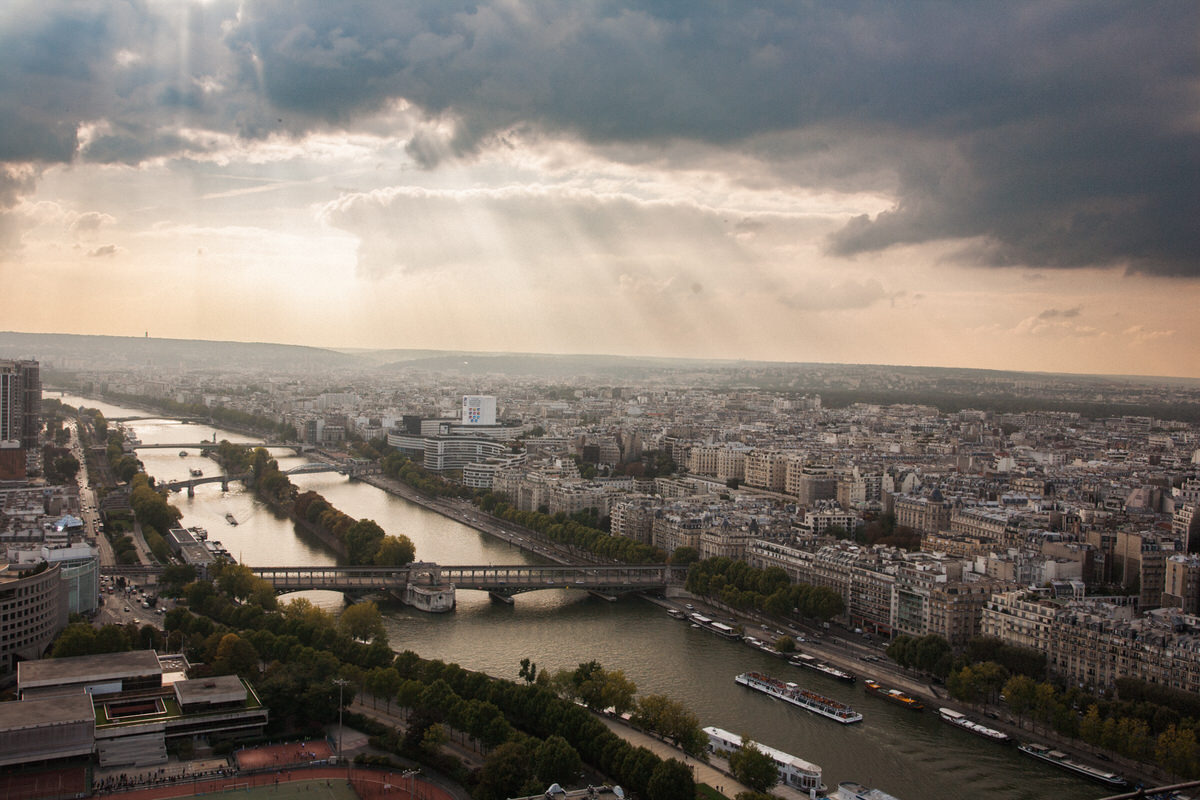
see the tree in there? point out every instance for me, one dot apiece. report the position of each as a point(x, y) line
point(434, 737)
point(77, 639)
point(235, 655)
point(395, 551)
point(528, 671)
point(556, 761)
point(1019, 694)
point(236, 580)
point(671, 780)
point(685, 556)
point(1176, 751)
point(362, 621)
point(362, 540)
point(1091, 728)
point(507, 772)
point(600, 689)
point(753, 767)
point(672, 720)
point(176, 576)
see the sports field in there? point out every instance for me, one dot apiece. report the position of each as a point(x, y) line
point(331, 789)
point(67, 782)
point(282, 756)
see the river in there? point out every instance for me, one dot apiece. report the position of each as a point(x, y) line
point(912, 756)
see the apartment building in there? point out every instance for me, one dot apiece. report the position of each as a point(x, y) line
point(1181, 583)
point(767, 469)
point(1094, 643)
point(925, 514)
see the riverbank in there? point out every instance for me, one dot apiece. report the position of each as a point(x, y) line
point(466, 513)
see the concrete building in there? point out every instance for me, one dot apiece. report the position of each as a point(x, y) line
point(32, 612)
point(20, 417)
point(135, 701)
point(810, 482)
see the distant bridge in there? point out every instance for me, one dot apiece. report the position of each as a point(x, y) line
point(298, 447)
point(192, 483)
point(502, 581)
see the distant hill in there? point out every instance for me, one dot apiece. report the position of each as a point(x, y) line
point(613, 368)
point(73, 351)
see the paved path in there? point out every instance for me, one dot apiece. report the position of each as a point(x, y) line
point(704, 773)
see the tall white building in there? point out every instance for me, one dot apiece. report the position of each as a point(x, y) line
point(478, 409)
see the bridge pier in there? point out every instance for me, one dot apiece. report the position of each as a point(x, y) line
point(191, 489)
point(225, 486)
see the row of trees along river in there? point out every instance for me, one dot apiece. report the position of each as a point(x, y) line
point(909, 755)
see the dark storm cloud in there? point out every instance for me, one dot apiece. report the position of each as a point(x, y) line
point(1054, 135)
point(1047, 134)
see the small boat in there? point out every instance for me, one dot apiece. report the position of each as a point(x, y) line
point(1060, 759)
point(232, 520)
point(676, 613)
point(966, 723)
point(719, 628)
point(852, 790)
point(893, 695)
point(196, 473)
point(183, 453)
point(792, 693)
point(200, 533)
point(808, 662)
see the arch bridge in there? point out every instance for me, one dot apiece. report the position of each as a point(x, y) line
point(192, 483)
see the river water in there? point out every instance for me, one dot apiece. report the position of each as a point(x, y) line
point(913, 756)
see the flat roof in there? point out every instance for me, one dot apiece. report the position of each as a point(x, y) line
point(25, 714)
point(219, 689)
point(86, 669)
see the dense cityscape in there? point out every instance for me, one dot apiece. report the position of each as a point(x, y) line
point(599, 400)
point(1025, 563)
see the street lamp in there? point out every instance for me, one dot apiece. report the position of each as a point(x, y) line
point(342, 683)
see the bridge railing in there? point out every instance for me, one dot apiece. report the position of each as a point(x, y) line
point(483, 576)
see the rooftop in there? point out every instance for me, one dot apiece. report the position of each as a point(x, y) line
point(90, 669)
point(23, 714)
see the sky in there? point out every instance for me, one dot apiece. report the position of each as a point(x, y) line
point(997, 185)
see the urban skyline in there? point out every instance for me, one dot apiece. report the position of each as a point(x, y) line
point(1003, 187)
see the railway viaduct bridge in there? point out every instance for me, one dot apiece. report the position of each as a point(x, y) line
point(431, 586)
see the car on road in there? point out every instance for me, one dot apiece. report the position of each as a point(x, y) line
point(127, 609)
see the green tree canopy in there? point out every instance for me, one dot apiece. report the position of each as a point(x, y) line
point(395, 551)
point(362, 621)
point(753, 767)
point(671, 780)
point(556, 761)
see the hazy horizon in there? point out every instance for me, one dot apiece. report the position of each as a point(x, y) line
point(595, 355)
point(1002, 187)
